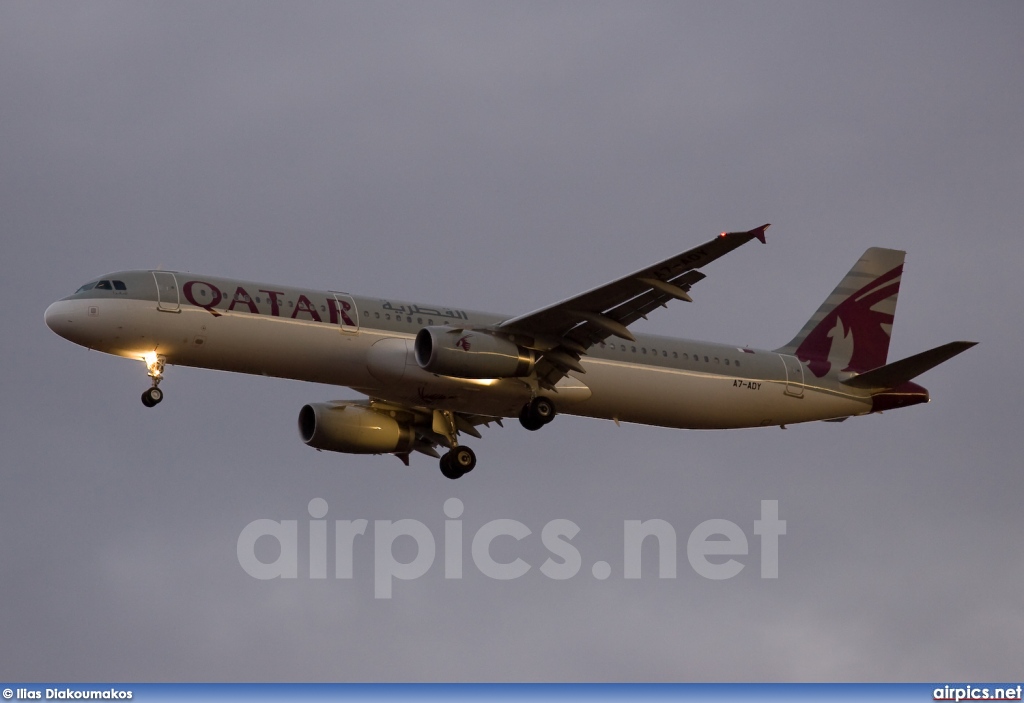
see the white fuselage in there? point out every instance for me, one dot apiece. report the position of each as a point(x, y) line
point(367, 345)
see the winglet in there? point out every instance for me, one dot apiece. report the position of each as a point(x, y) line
point(759, 232)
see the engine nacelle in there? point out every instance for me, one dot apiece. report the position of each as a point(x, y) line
point(353, 429)
point(470, 354)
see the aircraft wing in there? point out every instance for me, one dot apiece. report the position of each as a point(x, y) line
point(564, 331)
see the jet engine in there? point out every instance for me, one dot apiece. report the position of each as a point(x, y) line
point(353, 429)
point(470, 354)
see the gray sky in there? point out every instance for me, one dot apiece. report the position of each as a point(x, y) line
point(503, 157)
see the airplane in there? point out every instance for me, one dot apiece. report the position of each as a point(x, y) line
point(432, 373)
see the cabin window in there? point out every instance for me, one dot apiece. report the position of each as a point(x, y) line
point(430, 322)
point(664, 354)
point(675, 355)
point(104, 285)
point(419, 320)
point(387, 316)
point(119, 285)
point(643, 349)
point(737, 362)
point(717, 361)
point(376, 315)
point(634, 349)
point(706, 359)
point(726, 362)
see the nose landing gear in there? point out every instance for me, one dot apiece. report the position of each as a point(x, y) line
point(155, 365)
point(152, 396)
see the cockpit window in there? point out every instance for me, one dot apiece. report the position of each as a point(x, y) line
point(102, 286)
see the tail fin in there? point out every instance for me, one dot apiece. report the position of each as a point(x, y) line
point(851, 329)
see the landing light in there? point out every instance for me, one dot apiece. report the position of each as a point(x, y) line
point(151, 362)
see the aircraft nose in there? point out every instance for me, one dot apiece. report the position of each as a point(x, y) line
point(59, 318)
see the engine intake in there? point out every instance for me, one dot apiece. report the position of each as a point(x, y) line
point(470, 354)
point(353, 429)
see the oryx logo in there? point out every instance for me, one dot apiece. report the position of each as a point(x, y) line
point(853, 336)
point(840, 354)
point(463, 343)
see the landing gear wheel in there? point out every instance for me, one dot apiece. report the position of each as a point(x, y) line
point(542, 409)
point(464, 458)
point(447, 470)
point(537, 413)
point(457, 462)
point(152, 396)
point(528, 421)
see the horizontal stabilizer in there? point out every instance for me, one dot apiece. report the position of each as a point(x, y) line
point(899, 372)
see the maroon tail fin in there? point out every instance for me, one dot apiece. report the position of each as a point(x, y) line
point(850, 331)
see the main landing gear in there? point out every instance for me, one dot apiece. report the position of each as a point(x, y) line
point(155, 365)
point(457, 462)
point(460, 460)
point(537, 413)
